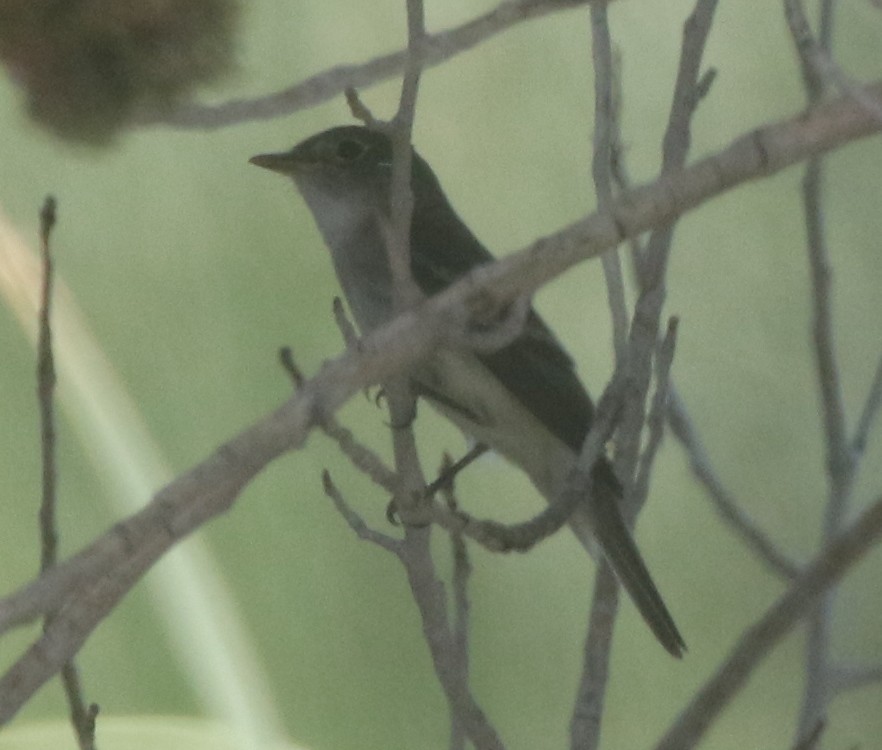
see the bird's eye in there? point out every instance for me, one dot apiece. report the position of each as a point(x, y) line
point(349, 150)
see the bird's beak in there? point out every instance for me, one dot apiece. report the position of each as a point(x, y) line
point(285, 163)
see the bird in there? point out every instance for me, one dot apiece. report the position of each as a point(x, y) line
point(523, 400)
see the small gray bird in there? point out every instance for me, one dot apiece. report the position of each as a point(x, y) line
point(524, 400)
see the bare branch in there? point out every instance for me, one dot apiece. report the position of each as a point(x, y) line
point(359, 110)
point(433, 50)
point(854, 677)
point(362, 458)
point(848, 86)
point(647, 311)
point(431, 601)
point(450, 469)
point(82, 718)
point(811, 740)
point(462, 570)
point(685, 430)
point(590, 696)
point(758, 640)
point(398, 234)
point(868, 413)
point(691, 86)
point(588, 706)
point(45, 394)
point(606, 134)
point(655, 420)
point(819, 70)
point(414, 334)
point(410, 501)
point(840, 461)
point(413, 504)
point(355, 521)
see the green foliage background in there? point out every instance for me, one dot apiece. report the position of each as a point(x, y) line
point(193, 268)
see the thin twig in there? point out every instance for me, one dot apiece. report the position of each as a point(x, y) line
point(355, 521)
point(854, 677)
point(726, 506)
point(586, 720)
point(619, 167)
point(401, 128)
point(45, 394)
point(868, 413)
point(806, 47)
point(585, 723)
point(410, 502)
point(647, 311)
point(840, 461)
point(82, 717)
point(359, 110)
point(606, 132)
point(834, 73)
point(811, 740)
point(407, 481)
point(655, 420)
point(587, 713)
point(361, 456)
point(462, 570)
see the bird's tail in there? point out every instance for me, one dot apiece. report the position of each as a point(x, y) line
point(603, 518)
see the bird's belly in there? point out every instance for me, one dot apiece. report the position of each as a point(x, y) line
point(471, 397)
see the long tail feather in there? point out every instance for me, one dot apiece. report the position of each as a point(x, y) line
point(604, 519)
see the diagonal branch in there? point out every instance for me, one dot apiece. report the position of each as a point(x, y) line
point(685, 430)
point(433, 50)
point(759, 639)
point(844, 678)
point(653, 266)
point(868, 413)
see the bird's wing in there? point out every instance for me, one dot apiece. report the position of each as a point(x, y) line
point(534, 367)
point(539, 373)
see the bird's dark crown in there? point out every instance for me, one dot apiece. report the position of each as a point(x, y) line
point(360, 149)
point(346, 145)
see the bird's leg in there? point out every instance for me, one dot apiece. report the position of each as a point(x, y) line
point(446, 477)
